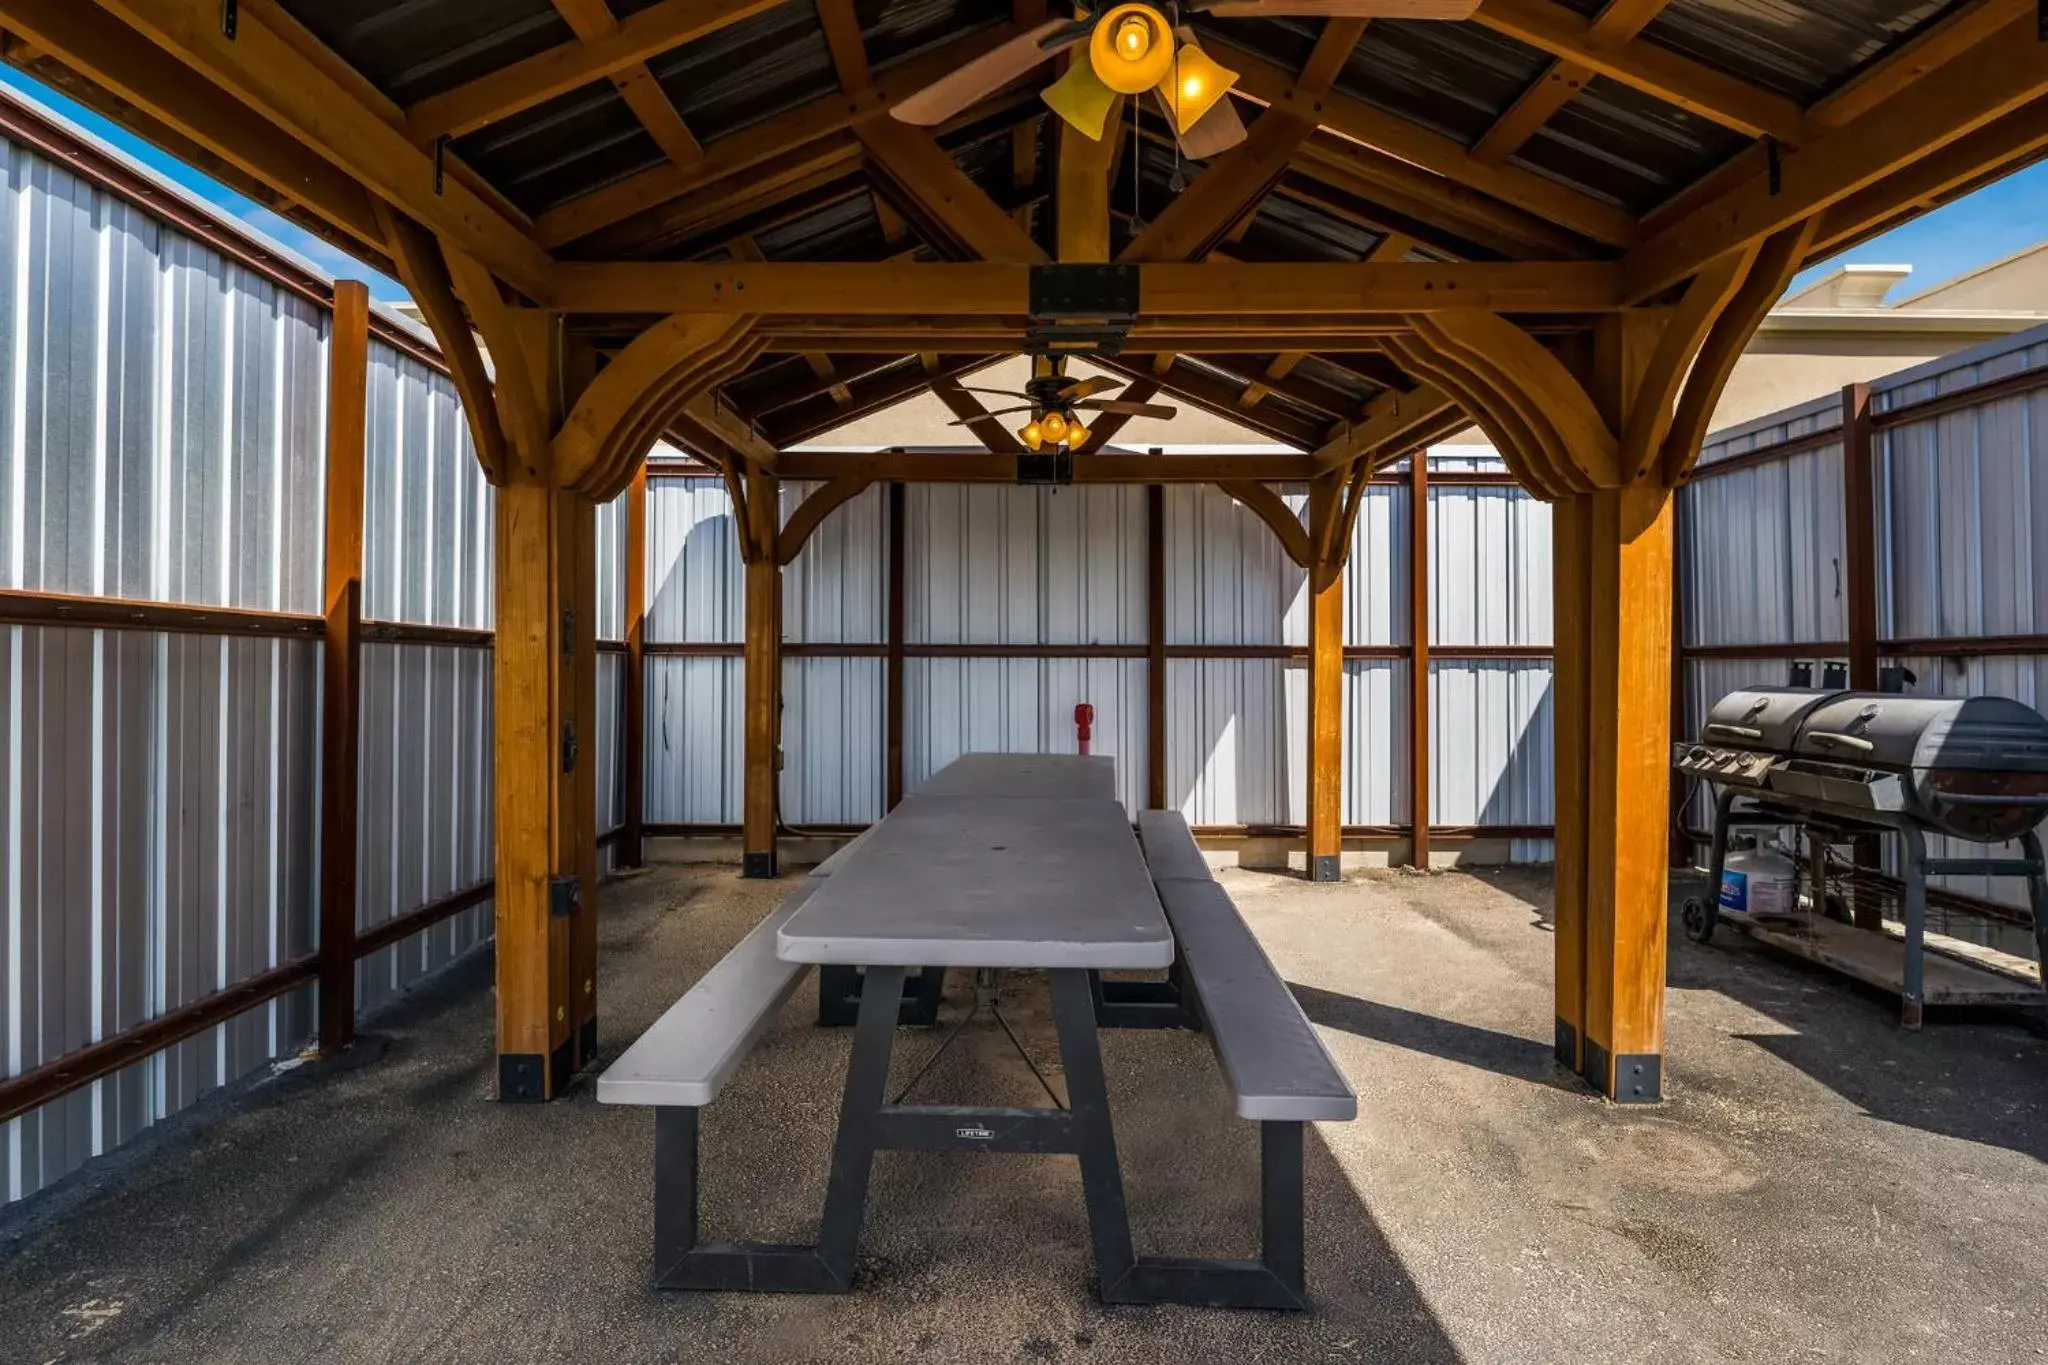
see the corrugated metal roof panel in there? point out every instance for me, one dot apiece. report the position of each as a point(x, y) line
point(562, 148)
point(1454, 78)
point(411, 49)
point(1627, 147)
point(749, 71)
point(1797, 48)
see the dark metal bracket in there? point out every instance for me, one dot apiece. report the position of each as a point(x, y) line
point(440, 162)
point(565, 894)
point(1081, 308)
point(230, 18)
point(1045, 468)
point(570, 749)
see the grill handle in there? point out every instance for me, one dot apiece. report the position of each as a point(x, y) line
point(1734, 731)
point(1856, 742)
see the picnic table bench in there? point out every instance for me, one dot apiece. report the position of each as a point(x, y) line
point(1011, 862)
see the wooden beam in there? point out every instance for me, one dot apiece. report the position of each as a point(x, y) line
point(631, 848)
point(1325, 757)
point(947, 207)
point(558, 70)
point(265, 68)
point(779, 148)
point(1332, 50)
point(1215, 396)
point(519, 408)
point(1001, 289)
point(1384, 192)
point(1268, 507)
point(592, 21)
point(1081, 202)
point(341, 691)
point(1899, 70)
point(424, 273)
point(843, 40)
point(968, 409)
point(2003, 73)
point(2010, 141)
point(1619, 22)
point(954, 466)
point(1654, 70)
point(1361, 122)
point(1420, 765)
point(1200, 217)
point(1391, 421)
point(100, 48)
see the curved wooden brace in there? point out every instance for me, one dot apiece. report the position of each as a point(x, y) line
point(1776, 263)
point(1651, 413)
point(513, 387)
point(608, 430)
point(813, 510)
point(736, 489)
point(664, 405)
point(1525, 454)
point(1532, 445)
point(1272, 509)
point(1515, 365)
point(416, 255)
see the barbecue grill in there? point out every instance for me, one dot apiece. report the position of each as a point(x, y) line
point(1846, 765)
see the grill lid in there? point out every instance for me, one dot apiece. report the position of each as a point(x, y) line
point(1968, 734)
point(1765, 718)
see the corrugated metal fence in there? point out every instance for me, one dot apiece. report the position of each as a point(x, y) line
point(1020, 603)
point(163, 401)
point(1956, 457)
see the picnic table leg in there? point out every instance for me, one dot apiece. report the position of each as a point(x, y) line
point(1102, 1181)
point(853, 1153)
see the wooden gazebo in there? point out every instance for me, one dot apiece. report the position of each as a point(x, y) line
point(698, 218)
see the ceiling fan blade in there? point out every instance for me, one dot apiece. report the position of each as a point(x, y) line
point(986, 74)
point(1000, 393)
point(1214, 133)
point(1339, 9)
point(999, 412)
point(1159, 410)
point(1088, 388)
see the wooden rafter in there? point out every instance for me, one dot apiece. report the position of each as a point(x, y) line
point(2003, 73)
point(507, 90)
point(1391, 425)
point(765, 148)
point(1677, 80)
point(1619, 22)
point(1444, 156)
point(2011, 141)
point(267, 68)
point(1215, 397)
point(947, 208)
point(1201, 216)
point(592, 21)
point(843, 41)
point(1082, 195)
point(957, 466)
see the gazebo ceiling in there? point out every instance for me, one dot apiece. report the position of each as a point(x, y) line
point(746, 130)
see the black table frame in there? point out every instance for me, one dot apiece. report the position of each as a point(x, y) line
point(868, 1124)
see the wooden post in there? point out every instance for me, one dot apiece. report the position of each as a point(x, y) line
point(1613, 744)
point(1859, 570)
point(632, 838)
point(898, 622)
point(764, 677)
point(1419, 761)
point(545, 660)
point(1325, 690)
point(348, 371)
point(1681, 842)
point(1155, 646)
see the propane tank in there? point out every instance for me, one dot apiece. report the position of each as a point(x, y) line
point(1760, 881)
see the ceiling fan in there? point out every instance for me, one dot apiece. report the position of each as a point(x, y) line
point(1055, 402)
point(1135, 47)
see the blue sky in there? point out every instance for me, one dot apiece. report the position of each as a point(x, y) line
point(1994, 222)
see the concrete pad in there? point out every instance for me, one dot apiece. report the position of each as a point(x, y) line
point(1819, 1187)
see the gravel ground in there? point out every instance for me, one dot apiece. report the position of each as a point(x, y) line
point(1820, 1186)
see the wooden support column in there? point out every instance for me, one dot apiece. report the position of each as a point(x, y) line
point(1613, 742)
point(763, 675)
point(1325, 687)
point(1155, 646)
point(898, 622)
point(1419, 760)
point(348, 357)
point(632, 839)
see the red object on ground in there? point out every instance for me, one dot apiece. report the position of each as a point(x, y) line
point(1084, 722)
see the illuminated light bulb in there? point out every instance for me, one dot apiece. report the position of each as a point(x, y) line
point(1032, 435)
point(1077, 435)
point(1133, 37)
point(1054, 426)
point(1191, 88)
